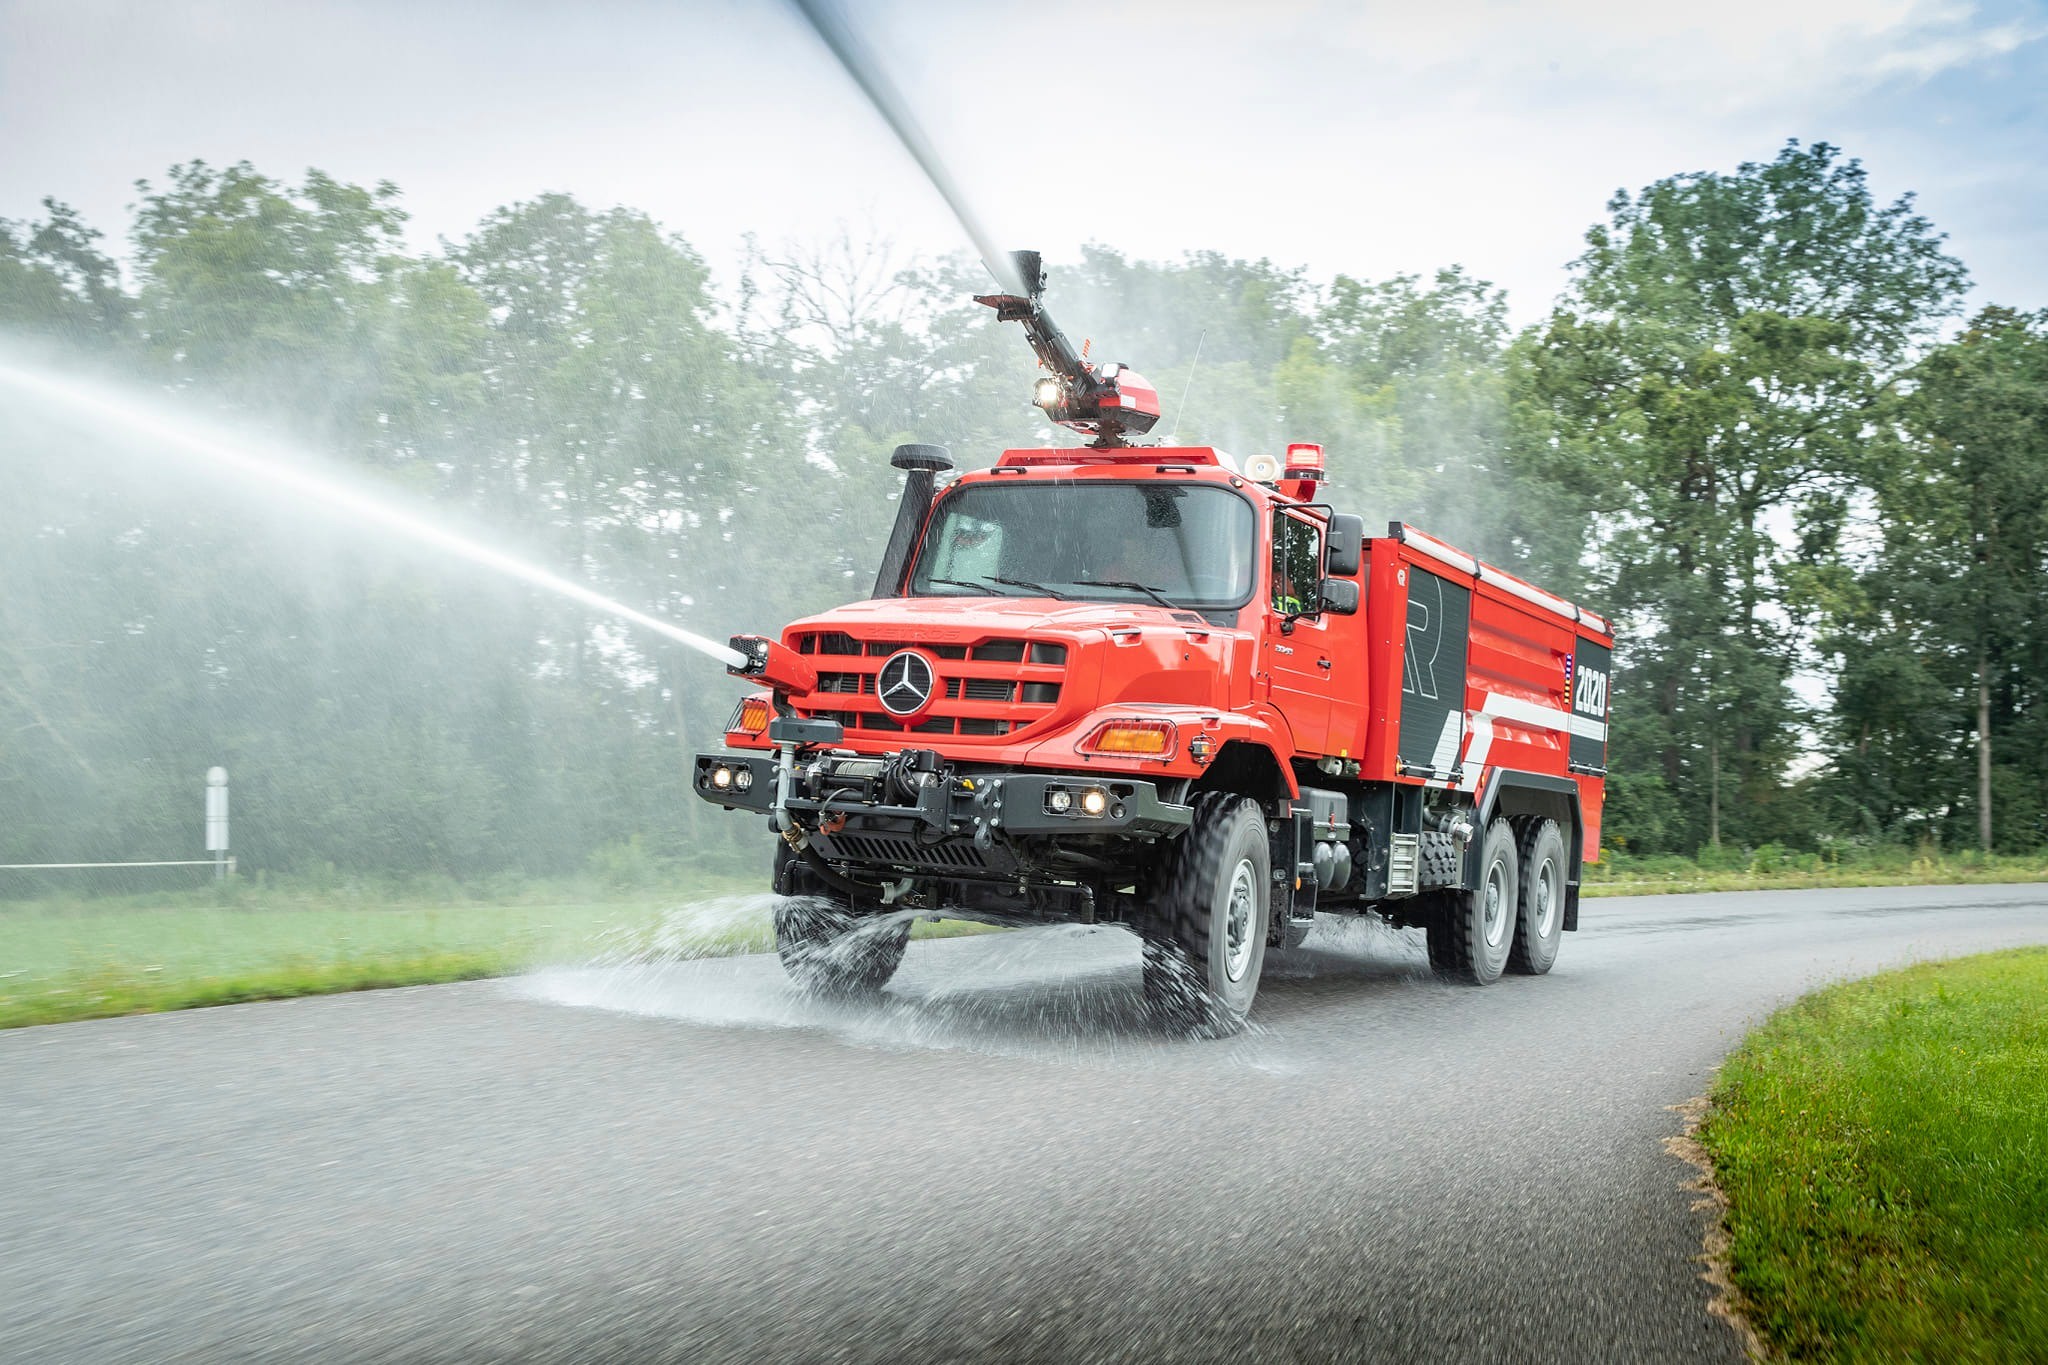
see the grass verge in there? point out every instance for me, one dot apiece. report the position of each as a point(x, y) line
point(1883, 1147)
point(90, 956)
point(1768, 870)
point(85, 959)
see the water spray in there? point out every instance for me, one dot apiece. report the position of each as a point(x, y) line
point(846, 44)
point(279, 471)
point(1110, 402)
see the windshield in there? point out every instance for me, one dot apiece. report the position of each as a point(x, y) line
point(1183, 545)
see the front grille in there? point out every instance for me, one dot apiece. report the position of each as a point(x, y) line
point(882, 649)
point(930, 725)
point(988, 689)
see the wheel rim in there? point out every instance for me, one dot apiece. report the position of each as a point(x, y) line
point(1546, 898)
point(1496, 904)
point(1240, 921)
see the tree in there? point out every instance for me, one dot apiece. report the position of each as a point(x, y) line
point(57, 285)
point(640, 450)
point(1942, 635)
point(1719, 356)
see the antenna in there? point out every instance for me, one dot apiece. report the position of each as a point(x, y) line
point(1182, 410)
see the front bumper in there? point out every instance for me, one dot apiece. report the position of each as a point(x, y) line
point(863, 811)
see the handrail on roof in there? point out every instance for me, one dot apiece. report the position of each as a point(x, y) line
point(1133, 455)
point(1430, 547)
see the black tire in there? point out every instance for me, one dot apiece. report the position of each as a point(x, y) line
point(1431, 915)
point(828, 946)
point(1473, 931)
point(1539, 926)
point(1204, 931)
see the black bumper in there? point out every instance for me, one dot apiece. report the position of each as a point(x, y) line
point(758, 791)
point(945, 820)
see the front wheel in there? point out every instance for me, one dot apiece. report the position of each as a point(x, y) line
point(1204, 930)
point(826, 948)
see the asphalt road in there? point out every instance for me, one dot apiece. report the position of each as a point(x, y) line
point(682, 1162)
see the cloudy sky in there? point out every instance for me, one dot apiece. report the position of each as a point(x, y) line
point(1355, 137)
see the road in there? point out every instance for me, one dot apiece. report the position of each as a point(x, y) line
point(681, 1162)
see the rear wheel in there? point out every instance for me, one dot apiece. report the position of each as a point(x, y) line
point(1540, 923)
point(1204, 930)
point(827, 944)
point(1473, 931)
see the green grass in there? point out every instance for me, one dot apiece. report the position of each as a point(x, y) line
point(83, 959)
point(1770, 869)
point(1883, 1146)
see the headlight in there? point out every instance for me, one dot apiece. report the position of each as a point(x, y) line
point(721, 778)
point(742, 779)
point(1094, 801)
point(1046, 394)
point(1059, 801)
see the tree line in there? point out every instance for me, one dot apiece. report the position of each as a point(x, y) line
point(1756, 428)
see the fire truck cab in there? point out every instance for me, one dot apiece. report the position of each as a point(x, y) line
point(1157, 687)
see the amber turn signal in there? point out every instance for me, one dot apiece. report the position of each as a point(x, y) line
point(1140, 738)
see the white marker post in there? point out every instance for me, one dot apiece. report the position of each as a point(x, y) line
point(217, 820)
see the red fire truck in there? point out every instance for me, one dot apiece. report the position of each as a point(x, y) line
point(1159, 687)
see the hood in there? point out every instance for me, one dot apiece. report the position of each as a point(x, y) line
point(960, 618)
point(1004, 670)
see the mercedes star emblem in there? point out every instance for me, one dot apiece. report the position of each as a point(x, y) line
point(905, 683)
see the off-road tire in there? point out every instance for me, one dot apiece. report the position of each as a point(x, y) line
point(1221, 866)
point(828, 946)
point(1539, 923)
point(1434, 907)
point(1466, 942)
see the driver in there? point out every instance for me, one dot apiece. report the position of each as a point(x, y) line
point(1287, 596)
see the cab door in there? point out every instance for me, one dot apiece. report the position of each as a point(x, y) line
point(1299, 662)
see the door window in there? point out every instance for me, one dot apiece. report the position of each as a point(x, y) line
point(1297, 563)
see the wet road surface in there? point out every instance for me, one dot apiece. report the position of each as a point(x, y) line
point(682, 1161)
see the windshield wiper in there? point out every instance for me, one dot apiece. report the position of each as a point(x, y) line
point(1027, 583)
point(963, 583)
point(1157, 596)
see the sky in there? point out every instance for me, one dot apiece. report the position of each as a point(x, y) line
point(1356, 138)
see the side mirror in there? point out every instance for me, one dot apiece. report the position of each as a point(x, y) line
point(1346, 554)
point(1339, 597)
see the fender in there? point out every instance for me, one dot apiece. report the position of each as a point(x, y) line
point(1223, 731)
point(1507, 792)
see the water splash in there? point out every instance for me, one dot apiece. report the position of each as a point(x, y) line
point(106, 409)
point(1066, 993)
